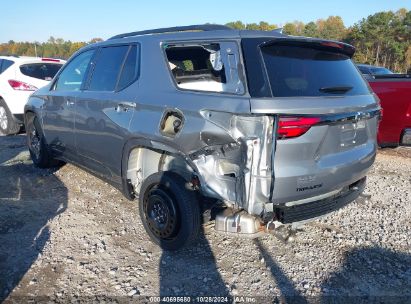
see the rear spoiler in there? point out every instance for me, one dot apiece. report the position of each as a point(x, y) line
point(327, 45)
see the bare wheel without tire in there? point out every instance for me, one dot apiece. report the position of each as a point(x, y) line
point(8, 125)
point(169, 211)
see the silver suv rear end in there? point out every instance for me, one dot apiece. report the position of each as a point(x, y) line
point(326, 123)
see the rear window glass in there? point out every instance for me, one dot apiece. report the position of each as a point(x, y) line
point(363, 70)
point(108, 65)
point(5, 64)
point(44, 71)
point(302, 71)
point(380, 71)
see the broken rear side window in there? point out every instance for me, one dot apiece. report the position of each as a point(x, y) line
point(204, 67)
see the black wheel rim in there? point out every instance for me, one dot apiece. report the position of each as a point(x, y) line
point(34, 141)
point(161, 214)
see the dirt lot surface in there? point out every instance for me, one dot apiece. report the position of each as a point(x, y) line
point(66, 235)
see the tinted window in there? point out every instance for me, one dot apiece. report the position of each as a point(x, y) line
point(5, 64)
point(73, 74)
point(108, 65)
point(44, 71)
point(380, 71)
point(130, 69)
point(363, 69)
point(302, 71)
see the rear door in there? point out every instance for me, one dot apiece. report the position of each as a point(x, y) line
point(326, 115)
point(59, 108)
point(105, 108)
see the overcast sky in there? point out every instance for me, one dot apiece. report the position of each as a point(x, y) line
point(82, 20)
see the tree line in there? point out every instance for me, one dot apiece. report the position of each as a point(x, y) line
point(54, 47)
point(380, 39)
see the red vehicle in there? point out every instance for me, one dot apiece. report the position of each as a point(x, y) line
point(394, 91)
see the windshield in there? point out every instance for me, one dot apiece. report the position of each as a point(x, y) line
point(303, 71)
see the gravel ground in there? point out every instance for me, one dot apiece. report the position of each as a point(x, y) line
point(65, 234)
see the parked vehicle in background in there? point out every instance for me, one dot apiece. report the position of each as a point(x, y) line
point(19, 77)
point(373, 70)
point(394, 92)
point(271, 129)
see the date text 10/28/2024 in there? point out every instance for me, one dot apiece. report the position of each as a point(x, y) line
point(203, 299)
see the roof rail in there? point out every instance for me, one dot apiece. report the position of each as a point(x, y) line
point(199, 27)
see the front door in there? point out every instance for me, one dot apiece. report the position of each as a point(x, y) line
point(60, 106)
point(105, 108)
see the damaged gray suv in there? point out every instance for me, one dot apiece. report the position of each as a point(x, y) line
point(251, 129)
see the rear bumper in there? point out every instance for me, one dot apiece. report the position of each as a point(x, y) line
point(16, 100)
point(330, 173)
point(303, 212)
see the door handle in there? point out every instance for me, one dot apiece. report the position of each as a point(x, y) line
point(69, 102)
point(125, 106)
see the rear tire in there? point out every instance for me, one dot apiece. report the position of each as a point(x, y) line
point(169, 211)
point(8, 125)
point(38, 148)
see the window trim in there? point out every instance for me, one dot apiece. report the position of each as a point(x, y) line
point(241, 74)
point(251, 49)
point(57, 76)
point(137, 71)
point(93, 63)
point(90, 70)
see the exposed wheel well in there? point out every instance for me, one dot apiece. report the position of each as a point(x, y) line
point(143, 162)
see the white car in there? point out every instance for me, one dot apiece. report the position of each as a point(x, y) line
point(19, 78)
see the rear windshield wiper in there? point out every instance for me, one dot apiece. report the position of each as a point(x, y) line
point(336, 89)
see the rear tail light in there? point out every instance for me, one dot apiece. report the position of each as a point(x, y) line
point(289, 127)
point(338, 45)
point(21, 86)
